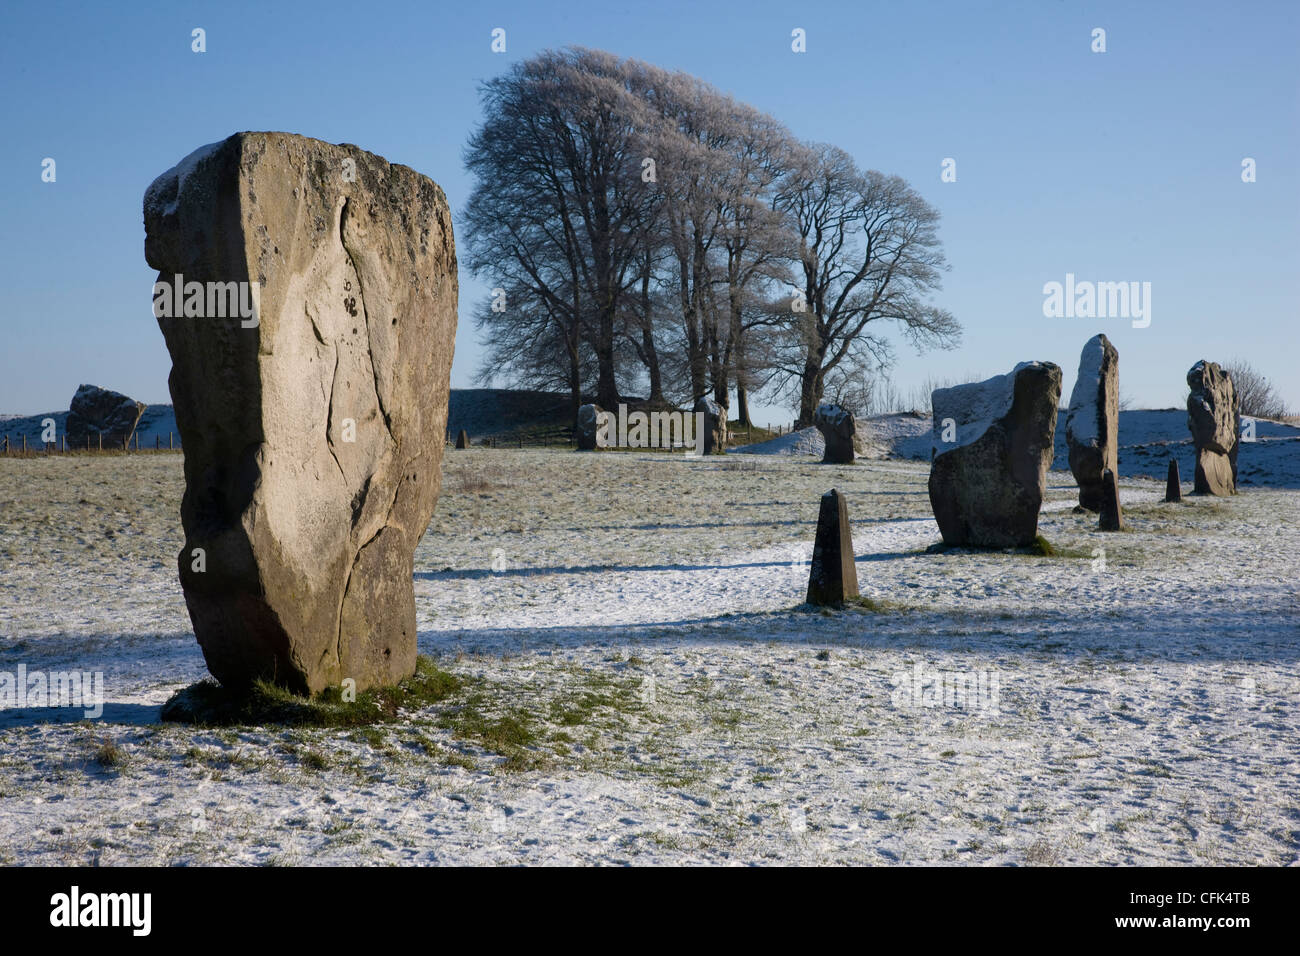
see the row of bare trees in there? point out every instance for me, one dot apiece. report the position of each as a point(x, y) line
point(640, 229)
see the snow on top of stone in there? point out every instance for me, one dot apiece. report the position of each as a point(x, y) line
point(832, 415)
point(1081, 421)
point(712, 407)
point(972, 407)
point(170, 183)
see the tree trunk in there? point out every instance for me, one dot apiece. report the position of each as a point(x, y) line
point(811, 387)
point(606, 384)
point(742, 406)
point(648, 340)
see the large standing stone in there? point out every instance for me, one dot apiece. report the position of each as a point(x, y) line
point(462, 440)
point(588, 425)
point(838, 428)
point(833, 576)
point(1111, 517)
point(715, 426)
point(1173, 486)
point(97, 413)
point(313, 432)
point(1214, 419)
point(987, 483)
point(1092, 424)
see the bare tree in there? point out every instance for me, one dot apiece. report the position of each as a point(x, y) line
point(1255, 393)
point(637, 224)
point(559, 211)
point(868, 251)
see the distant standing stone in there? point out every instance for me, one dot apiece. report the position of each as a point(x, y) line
point(715, 426)
point(97, 413)
point(834, 574)
point(1092, 424)
point(838, 428)
point(588, 422)
point(992, 447)
point(1214, 419)
point(1111, 518)
point(1173, 487)
point(462, 440)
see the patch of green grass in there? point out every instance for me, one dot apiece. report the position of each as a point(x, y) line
point(1041, 547)
point(209, 704)
point(574, 712)
point(108, 754)
point(315, 760)
point(510, 734)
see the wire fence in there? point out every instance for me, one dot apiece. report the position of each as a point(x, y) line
point(100, 443)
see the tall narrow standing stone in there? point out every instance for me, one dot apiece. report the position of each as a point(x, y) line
point(307, 295)
point(834, 573)
point(1111, 518)
point(1092, 423)
point(588, 427)
point(462, 440)
point(1173, 487)
point(1214, 419)
point(715, 426)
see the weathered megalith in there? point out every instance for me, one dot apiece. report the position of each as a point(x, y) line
point(715, 426)
point(588, 425)
point(1173, 487)
point(838, 428)
point(313, 427)
point(1214, 419)
point(1111, 518)
point(987, 483)
point(97, 413)
point(462, 439)
point(833, 576)
point(1092, 423)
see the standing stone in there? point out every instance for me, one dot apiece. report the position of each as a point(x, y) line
point(97, 413)
point(1092, 424)
point(834, 573)
point(715, 426)
point(1111, 518)
point(1173, 487)
point(838, 428)
point(462, 439)
point(1214, 419)
point(313, 430)
point(987, 484)
point(588, 424)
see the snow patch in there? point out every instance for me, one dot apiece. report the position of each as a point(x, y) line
point(164, 192)
point(972, 407)
point(805, 441)
point(1082, 420)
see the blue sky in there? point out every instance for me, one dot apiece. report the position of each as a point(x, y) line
point(1115, 166)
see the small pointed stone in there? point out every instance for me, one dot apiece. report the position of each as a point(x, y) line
point(1111, 518)
point(1173, 489)
point(834, 574)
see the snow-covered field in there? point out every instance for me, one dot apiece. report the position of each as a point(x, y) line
point(640, 683)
